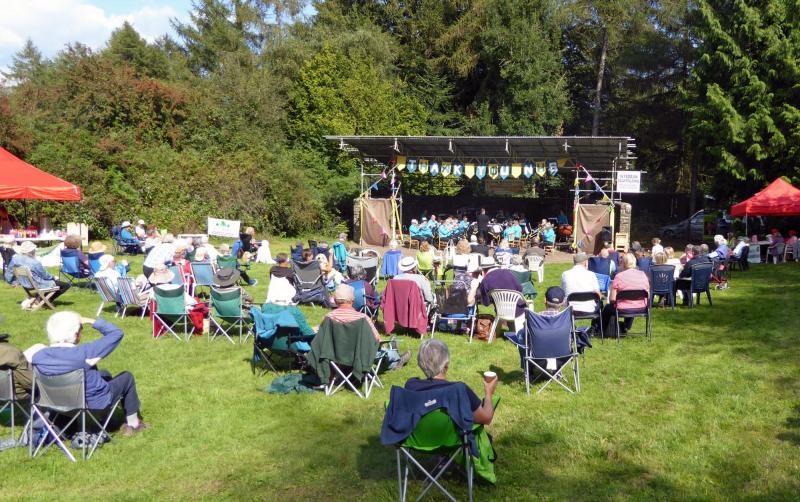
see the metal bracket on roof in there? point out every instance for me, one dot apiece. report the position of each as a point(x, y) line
point(396, 146)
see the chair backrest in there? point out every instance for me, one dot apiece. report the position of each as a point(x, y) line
point(170, 300)
point(434, 430)
point(105, 289)
point(644, 263)
point(177, 275)
point(359, 294)
point(24, 277)
point(62, 393)
point(522, 277)
point(308, 275)
point(368, 263)
point(604, 281)
point(274, 330)
point(227, 262)
point(549, 336)
point(203, 273)
point(70, 265)
point(370, 253)
point(505, 303)
point(6, 385)
point(662, 278)
point(585, 296)
point(94, 262)
point(128, 291)
point(701, 276)
point(633, 294)
point(451, 297)
point(227, 302)
point(534, 262)
point(600, 265)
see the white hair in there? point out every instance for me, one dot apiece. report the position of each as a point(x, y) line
point(719, 239)
point(63, 327)
point(204, 239)
point(433, 357)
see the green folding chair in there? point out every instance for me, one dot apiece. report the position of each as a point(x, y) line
point(528, 289)
point(226, 313)
point(170, 310)
point(227, 262)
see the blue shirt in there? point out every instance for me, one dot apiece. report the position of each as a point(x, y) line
point(413, 230)
point(60, 359)
point(549, 235)
point(126, 235)
point(41, 277)
point(720, 253)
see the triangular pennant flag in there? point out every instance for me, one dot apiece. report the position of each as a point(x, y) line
point(562, 162)
point(494, 170)
point(527, 169)
point(412, 165)
point(540, 168)
point(423, 166)
point(446, 168)
point(552, 167)
point(400, 162)
point(434, 168)
point(505, 171)
point(516, 169)
point(469, 170)
point(458, 169)
point(577, 182)
point(480, 171)
point(589, 177)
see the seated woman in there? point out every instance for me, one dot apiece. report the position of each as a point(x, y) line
point(111, 271)
point(503, 253)
point(330, 276)
point(672, 260)
point(225, 252)
point(629, 279)
point(246, 243)
point(72, 248)
point(426, 257)
point(65, 355)
point(359, 275)
point(433, 359)
point(721, 252)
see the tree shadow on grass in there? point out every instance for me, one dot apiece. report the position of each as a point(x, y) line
point(793, 422)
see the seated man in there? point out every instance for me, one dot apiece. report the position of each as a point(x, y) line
point(26, 257)
point(499, 278)
point(741, 243)
point(409, 271)
point(683, 283)
point(225, 252)
point(65, 355)
point(433, 359)
point(579, 279)
point(629, 279)
point(11, 358)
point(344, 296)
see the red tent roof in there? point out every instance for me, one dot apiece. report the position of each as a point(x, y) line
point(20, 180)
point(778, 199)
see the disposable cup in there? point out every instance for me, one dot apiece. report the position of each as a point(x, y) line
point(488, 376)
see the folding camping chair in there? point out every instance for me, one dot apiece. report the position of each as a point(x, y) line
point(41, 297)
point(633, 294)
point(128, 293)
point(309, 284)
point(177, 276)
point(588, 296)
point(368, 263)
point(276, 335)
point(227, 262)
point(398, 304)
point(226, 313)
point(107, 292)
point(122, 246)
point(699, 283)
point(536, 264)
point(451, 305)
point(662, 284)
point(505, 305)
point(70, 271)
point(549, 345)
point(362, 300)
point(600, 265)
point(528, 289)
point(435, 434)
point(338, 348)
point(203, 276)
point(9, 401)
point(64, 395)
point(170, 310)
point(604, 281)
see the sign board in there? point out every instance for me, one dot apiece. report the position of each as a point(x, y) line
point(505, 187)
point(224, 228)
point(629, 181)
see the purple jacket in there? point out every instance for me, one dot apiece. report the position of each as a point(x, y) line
point(500, 279)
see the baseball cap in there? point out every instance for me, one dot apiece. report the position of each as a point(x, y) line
point(554, 294)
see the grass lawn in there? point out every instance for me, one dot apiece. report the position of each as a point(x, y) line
point(710, 409)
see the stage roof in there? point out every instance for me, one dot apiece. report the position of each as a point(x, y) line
point(594, 152)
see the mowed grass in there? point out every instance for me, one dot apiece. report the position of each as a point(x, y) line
point(710, 409)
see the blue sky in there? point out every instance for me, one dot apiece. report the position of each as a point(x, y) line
point(53, 23)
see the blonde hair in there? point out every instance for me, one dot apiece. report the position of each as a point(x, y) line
point(462, 247)
point(669, 252)
point(629, 261)
point(660, 258)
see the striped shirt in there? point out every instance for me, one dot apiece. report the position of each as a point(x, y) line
point(346, 313)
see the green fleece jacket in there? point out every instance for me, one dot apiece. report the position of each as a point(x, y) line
point(351, 345)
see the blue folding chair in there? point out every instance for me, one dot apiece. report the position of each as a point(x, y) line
point(94, 262)
point(362, 300)
point(700, 283)
point(276, 335)
point(71, 271)
point(600, 265)
point(662, 283)
point(451, 305)
point(604, 281)
point(203, 274)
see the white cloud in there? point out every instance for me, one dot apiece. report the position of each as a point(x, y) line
point(53, 23)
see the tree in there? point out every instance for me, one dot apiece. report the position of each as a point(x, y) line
point(26, 64)
point(745, 102)
point(126, 46)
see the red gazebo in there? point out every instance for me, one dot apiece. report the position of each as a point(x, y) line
point(779, 198)
point(20, 180)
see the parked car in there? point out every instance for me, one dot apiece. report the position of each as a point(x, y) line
point(680, 229)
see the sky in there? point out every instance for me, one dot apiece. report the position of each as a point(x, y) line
point(53, 23)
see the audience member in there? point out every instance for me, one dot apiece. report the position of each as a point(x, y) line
point(26, 257)
point(629, 279)
point(499, 278)
point(140, 232)
point(409, 271)
point(11, 358)
point(579, 279)
point(358, 274)
point(72, 249)
point(426, 258)
point(162, 254)
point(721, 252)
point(657, 247)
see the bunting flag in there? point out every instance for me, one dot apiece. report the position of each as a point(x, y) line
point(412, 165)
point(480, 171)
point(527, 169)
point(400, 162)
point(505, 171)
point(516, 169)
point(552, 167)
point(469, 170)
point(434, 168)
point(540, 168)
point(447, 168)
point(577, 182)
point(494, 170)
point(589, 177)
point(458, 169)
point(561, 162)
point(423, 166)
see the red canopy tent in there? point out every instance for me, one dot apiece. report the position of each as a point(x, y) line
point(778, 199)
point(20, 180)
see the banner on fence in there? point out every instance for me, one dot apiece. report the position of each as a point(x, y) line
point(223, 228)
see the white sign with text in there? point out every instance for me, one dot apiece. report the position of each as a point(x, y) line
point(223, 228)
point(629, 181)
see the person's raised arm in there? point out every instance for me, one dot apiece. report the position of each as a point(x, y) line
point(485, 413)
point(101, 348)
